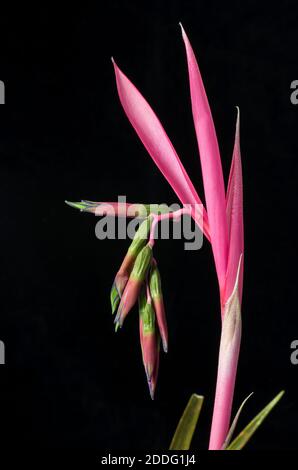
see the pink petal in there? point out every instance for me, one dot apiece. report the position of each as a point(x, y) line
point(235, 217)
point(211, 165)
point(156, 141)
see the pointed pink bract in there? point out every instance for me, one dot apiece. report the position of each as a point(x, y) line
point(211, 165)
point(234, 211)
point(156, 141)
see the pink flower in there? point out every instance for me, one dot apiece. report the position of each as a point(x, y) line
point(222, 223)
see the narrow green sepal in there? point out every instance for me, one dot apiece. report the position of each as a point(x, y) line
point(142, 264)
point(147, 313)
point(141, 237)
point(82, 206)
point(115, 298)
point(155, 282)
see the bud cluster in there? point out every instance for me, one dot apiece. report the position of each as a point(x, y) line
point(138, 280)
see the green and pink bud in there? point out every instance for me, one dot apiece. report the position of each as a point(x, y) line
point(141, 237)
point(134, 284)
point(158, 303)
point(118, 287)
point(116, 209)
point(149, 339)
point(119, 209)
point(120, 281)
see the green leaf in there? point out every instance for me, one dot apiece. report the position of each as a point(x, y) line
point(240, 441)
point(187, 424)
point(234, 423)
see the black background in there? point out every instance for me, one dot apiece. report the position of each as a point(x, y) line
point(69, 381)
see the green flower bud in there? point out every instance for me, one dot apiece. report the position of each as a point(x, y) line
point(155, 282)
point(142, 264)
point(158, 304)
point(147, 313)
point(141, 237)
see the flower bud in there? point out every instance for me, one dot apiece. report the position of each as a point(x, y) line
point(117, 290)
point(149, 339)
point(116, 209)
point(139, 241)
point(142, 264)
point(134, 284)
point(141, 237)
point(157, 299)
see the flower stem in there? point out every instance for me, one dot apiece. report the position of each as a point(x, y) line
point(226, 375)
point(169, 215)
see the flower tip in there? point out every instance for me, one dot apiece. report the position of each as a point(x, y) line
point(182, 29)
point(238, 120)
point(76, 205)
point(151, 389)
point(165, 345)
point(115, 298)
point(83, 206)
point(148, 376)
point(114, 64)
point(117, 320)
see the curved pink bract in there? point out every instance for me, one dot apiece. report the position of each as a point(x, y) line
point(211, 164)
point(235, 217)
point(156, 142)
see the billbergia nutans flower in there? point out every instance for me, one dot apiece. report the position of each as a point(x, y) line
point(221, 222)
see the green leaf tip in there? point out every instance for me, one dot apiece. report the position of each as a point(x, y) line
point(187, 424)
point(240, 441)
point(77, 205)
point(234, 423)
point(83, 206)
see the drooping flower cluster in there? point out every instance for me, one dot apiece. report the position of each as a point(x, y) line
point(138, 280)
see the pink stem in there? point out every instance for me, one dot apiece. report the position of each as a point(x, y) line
point(226, 376)
point(158, 218)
